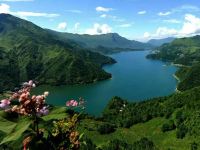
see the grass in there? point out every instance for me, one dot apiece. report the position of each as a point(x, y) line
point(150, 129)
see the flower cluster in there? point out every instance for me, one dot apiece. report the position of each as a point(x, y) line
point(5, 103)
point(75, 103)
point(72, 103)
point(28, 105)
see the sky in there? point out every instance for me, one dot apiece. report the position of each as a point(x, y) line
point(134, 19)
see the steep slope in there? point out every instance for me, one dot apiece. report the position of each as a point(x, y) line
point(96, 42)
point(30, 52)
point(159, 42)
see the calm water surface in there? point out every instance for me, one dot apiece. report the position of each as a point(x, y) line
point(134, 78)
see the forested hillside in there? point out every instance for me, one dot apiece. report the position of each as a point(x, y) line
point(30, 52)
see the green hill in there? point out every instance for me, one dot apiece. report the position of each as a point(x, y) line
point(30, 52)
point(111, 42)
point(184, 51)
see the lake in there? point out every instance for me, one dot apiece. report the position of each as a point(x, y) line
point(134, 78)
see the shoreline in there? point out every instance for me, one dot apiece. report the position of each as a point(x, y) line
point(177, 78)
point(178, 65)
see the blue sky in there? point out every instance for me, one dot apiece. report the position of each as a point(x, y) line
point(134, 19)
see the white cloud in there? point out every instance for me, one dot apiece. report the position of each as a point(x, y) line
point(191, 27)
point(146, 35)
point(104, 16)
point(172, 21)
point(188, 8)
point(33, 14)
point(4, 8)
point(62, 26)
point(103, 9)
point(164, 13)
point(16, 0)
point(75, 11)
point(142, 12)
point(125, 25)
point(108, 16)
point(76, 26)
point(181, 9)
point(99, 29)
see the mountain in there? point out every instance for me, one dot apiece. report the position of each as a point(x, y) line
point(30, 52)
point(186, 52)
point(159, 42)
point(108, 41)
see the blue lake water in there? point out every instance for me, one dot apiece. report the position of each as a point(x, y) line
point(134, 78)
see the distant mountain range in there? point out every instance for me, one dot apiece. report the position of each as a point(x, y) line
point(106, 43)
point(159, 42)
point(30, 52)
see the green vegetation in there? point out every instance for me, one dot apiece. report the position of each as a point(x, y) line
point(170, 122)
point(30, 52)
point(184, 51)
point(104, 43)
point(190, 77)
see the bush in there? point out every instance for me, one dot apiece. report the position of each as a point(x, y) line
point(106, 128)
point(194, 146)
point(168, 126)
point(142, 144)
point(181, 131)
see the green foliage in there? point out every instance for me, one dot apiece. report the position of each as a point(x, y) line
point(194, 146)
point(106, 128)
point(183, 106)
point(183, 51)
point(30, 52)
point(181, 131)
point(168, 126)
point(104, 43)
point(142, 144)
point(190, 78)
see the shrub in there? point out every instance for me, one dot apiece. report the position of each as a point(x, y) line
point(194, 146)
point(106, 128)
point(168, 126)
point(181, 131)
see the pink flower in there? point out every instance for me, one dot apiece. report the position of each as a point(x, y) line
point(4, 103)
point(30, 82)
point(39, 98)
point(43, 112)
point(72, 103)
point(75, 103)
